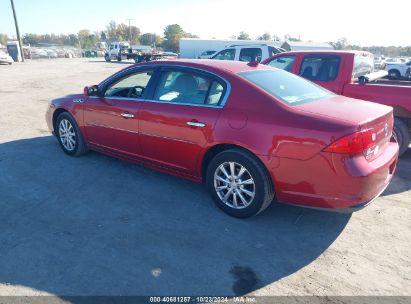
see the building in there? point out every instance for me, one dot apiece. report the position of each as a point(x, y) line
point(194, 47)
point(305, 46)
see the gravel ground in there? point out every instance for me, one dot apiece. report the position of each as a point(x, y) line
point(99, 226)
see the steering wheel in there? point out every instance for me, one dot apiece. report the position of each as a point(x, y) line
point(133, 93)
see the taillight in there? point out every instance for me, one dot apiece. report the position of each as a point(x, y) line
point(362, 141)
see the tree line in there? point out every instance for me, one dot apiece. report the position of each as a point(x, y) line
point(85, 39)
point(170, 40)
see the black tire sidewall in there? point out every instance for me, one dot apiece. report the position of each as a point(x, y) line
point(67, 116)
point(257, 173)
point(402, 134)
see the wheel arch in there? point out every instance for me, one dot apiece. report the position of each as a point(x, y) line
point(56, 114)
point(218, 148)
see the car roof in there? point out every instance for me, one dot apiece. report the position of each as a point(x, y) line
point(325, 52)
point(216, 65)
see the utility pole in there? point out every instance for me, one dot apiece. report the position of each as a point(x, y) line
point(17, 30)
point(129, 30)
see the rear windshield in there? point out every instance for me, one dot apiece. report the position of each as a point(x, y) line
point(287, 87)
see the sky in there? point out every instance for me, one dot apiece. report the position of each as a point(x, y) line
point(362, 22)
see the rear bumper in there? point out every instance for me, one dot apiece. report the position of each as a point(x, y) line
point(333, 181)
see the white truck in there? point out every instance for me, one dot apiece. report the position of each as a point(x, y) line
point(247, 52)
point(399, 70)
point(122, 51)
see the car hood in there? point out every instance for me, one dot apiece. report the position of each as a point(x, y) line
point(353, 111)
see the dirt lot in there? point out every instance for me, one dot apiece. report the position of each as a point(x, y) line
point(99, 226)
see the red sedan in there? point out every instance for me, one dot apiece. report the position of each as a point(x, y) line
point(251, 132)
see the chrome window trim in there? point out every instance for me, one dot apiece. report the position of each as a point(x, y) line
point(221, 105)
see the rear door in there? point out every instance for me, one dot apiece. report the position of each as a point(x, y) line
point(179, 120)
point(251, 54)
point(111, 119)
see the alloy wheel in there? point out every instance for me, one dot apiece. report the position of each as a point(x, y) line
point(234, 185)
point(67, 135)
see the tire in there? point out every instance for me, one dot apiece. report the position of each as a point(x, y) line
point(262, 187)
point(402, 134)
point(394, 74)
point(119, 58)
point(107, 58)
point(65, 121)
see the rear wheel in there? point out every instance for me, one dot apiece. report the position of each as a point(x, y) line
point(402, 134)
point(239, 184)
point(107, 58)
point(69, 135)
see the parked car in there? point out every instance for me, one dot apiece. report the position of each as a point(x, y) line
point(247, 52)
point(206, 54)
point(399, 70)
point(38, 53)
point(51, 54)
point(339, 71)
point(251, 132)
point(379, 62)
point(5, 58)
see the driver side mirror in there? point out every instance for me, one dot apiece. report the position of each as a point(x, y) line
point(91, 91)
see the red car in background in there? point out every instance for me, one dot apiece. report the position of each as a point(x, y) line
point(250, 132)
point(347, 73)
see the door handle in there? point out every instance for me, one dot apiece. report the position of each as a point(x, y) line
point(196, 124)
point(127, 115)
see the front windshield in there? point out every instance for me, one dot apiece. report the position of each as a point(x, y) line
point(287, 87)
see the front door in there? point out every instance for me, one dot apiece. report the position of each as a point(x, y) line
point(179, 121)
point(111, 119)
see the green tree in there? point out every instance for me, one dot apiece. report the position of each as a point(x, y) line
point(150, 39)
point(111, 31)
point(3, 39)
point(289, 38)
point(340, 44)
point(243, 36)
point(123, 33)
point(172, 35)
point(86, 39)
point(266, 36)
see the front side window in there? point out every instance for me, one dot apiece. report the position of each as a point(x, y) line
point(250, 54)
point(188, 88)
point(228, 54)
point(320, 67)
point(131, 86)
point(283, 63)
point(287, 87)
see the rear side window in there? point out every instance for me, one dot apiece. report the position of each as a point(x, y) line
point(363, 65)
point(188, 88)
point(228, 54)
point(287, 87)
point(283, 63)
point(273, 50)
point(320, 67)
point(250, 54)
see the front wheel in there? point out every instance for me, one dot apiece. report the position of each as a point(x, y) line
point(402, 134)
point(107, 58)
point(239, 184)
point(69, 135)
